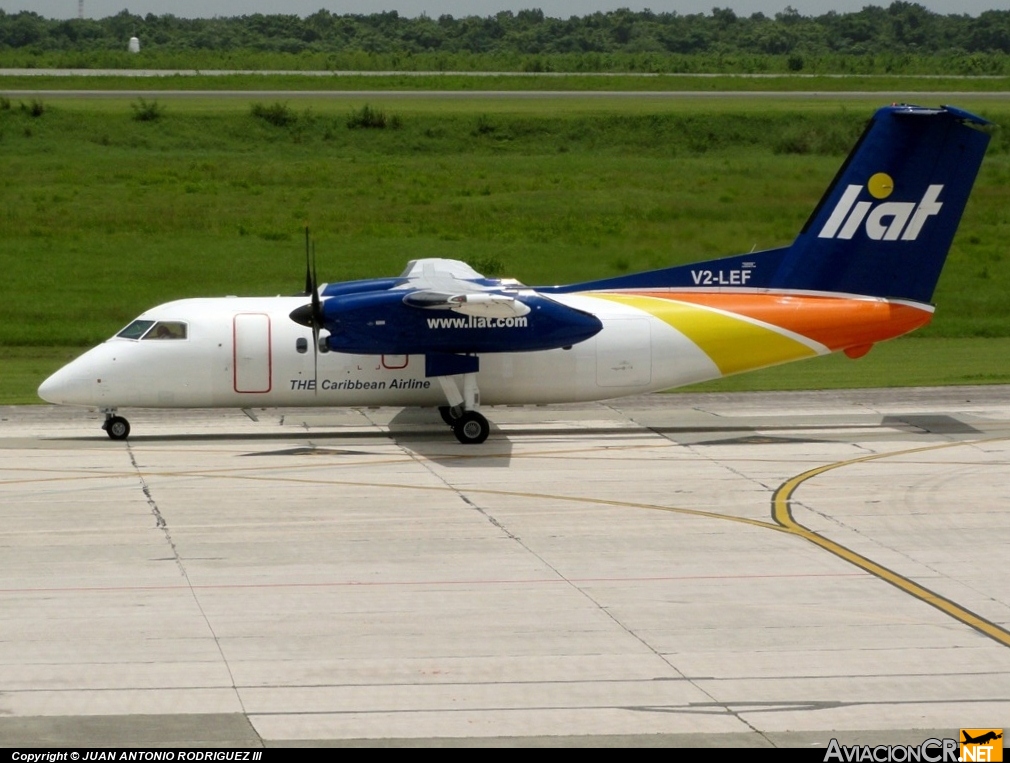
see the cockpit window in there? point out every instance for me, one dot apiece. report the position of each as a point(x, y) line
point(167, 330)
point(135, 330)
point(151, 330)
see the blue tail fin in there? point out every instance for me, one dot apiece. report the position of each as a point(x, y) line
point(885, 225)
point(882, 229)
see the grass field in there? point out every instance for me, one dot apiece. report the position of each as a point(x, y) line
point(882, 83)
point(112, 205)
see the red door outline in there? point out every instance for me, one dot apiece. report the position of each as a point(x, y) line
point(247, 372)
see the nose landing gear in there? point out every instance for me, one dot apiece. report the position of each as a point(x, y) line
point(116, 427)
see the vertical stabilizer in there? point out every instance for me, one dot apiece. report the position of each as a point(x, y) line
point(885, 225)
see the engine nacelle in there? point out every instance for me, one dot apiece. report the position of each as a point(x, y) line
point(384, 323)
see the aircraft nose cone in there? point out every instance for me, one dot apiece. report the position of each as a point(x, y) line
point(56, 388)
point(74, 384)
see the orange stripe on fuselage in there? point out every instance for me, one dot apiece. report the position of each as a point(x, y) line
point(835, 322)
point(744, 331)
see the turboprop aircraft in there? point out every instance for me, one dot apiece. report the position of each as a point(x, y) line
point(862, 270)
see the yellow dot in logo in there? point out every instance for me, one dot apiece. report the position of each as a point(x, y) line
point(880, 185)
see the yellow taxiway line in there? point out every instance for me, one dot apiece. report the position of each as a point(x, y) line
point(782, 514)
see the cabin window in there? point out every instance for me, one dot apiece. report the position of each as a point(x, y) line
point(135, 330)
point(166, 330)
point(302, 344)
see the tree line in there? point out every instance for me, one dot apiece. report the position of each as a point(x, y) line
point(598, 41)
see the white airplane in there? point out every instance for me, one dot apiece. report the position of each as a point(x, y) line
point(862, 270)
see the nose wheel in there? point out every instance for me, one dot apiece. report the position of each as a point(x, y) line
point(116, 427)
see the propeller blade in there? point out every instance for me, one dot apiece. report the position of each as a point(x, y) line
point(311, 315)
point(317, 304)
point(317, 316)
point(309, 279)
point(315, 360)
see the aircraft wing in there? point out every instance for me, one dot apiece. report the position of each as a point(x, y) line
point(437, 274)
point(437, 307)
point(440, 284)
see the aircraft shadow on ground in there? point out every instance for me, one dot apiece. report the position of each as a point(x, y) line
point(421, 432)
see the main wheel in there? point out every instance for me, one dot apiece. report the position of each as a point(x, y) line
point(471, 428)
point(447, 415)
point(117, 428)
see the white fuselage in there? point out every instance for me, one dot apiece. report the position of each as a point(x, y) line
point(245, 352)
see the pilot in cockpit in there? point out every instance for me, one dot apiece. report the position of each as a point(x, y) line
point(160, 330)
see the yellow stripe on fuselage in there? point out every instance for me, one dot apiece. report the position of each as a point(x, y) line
point(734, 344)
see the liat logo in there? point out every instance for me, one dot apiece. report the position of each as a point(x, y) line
point(884, 221)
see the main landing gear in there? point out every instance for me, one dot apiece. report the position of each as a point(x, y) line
point(116, 427)
point(469, 426)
